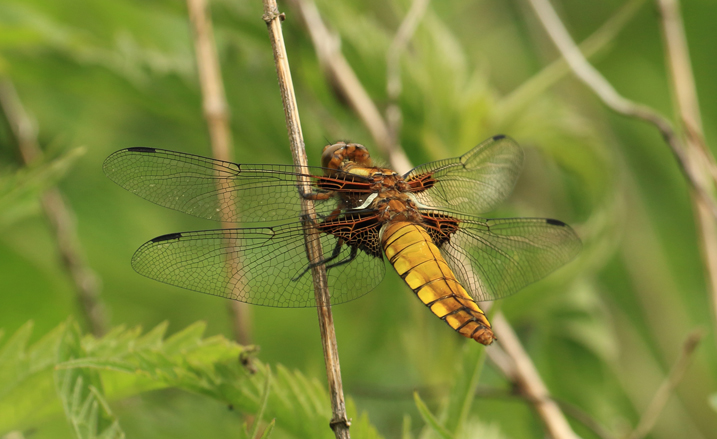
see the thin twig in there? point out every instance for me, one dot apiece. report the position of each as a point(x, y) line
point(683, 85)
point(556, 70)
point(393, 66)
point(216, 112)
point(610, 97)
point(524, 376)
point(58, 214)
point(327, 46)
point(571, 410)
point(695, 158)
point(662, 396)
point(439, 391)
point(339, 421)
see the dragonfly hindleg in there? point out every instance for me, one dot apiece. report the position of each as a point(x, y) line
point(334, 254)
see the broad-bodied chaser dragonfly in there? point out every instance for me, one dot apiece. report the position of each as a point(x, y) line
point(422, 222)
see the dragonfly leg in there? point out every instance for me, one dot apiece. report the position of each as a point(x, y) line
point(335, 254)
point(351, 257)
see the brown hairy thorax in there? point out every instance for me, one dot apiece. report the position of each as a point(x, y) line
point(392, 200)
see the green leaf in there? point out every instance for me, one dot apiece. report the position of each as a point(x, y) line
point(464, 388)
point(430, 419)
point(406, 428)
point(80, 391)
point(361, 427)
point(262, 405)
point(89, 371)
point(130, 363)
point(186, 339)
point(20, 188)
point(269, 428)
point(26, 377)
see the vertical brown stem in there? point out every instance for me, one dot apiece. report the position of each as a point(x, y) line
point(216, 112)
point(57, 213)
point(339, 421)
point(699, 156)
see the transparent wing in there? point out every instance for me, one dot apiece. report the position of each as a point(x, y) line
point(218, 190)
point(473, 183)
point(262, 266)
point(496, 258)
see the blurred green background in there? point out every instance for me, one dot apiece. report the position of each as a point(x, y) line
point(603, 331)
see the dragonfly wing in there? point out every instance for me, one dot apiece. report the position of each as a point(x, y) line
point(262, 266)
point(472, 183)
point(495, 258)
point(213, 189)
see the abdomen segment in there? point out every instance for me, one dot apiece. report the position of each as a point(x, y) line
point(418, 261)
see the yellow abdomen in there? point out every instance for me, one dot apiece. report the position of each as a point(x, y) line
point(418, 261)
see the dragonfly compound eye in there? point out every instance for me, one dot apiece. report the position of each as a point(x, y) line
point(334, 156)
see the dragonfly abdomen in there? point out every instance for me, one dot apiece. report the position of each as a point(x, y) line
point(418, 261)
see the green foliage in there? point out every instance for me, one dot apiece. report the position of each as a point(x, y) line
point(430, 420)
point(26, 377)
point(89, 371)
point(454, 419)
point(602, 331)
point(464, 388)
point(80, 390)
point(21, 187)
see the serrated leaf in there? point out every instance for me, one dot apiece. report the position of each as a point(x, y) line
point(26, 377)
point(262, 404)
point(186, 339)
point(90, 370)
point(80, 391)
point(98, 363)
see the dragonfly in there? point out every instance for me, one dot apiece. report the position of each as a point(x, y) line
point(423, 222)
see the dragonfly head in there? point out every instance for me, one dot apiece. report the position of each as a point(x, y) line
point(335, 156)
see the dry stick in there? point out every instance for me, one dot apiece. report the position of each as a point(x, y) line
point(684, 88)
point(557, 69)
point(571, 410)
point(610, 97)
point(216, 112)
point(685, 92)
point(662, 396)
point(514, 363)
point(393, 67)
point(340, 72)
point(339, 421)
point(58, 214)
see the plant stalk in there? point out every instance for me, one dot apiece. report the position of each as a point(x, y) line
point(339, 421)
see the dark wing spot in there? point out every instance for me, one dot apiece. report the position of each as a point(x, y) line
point(499, 136)
point(554, 222)
point(167, 237)
point(141, 149)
